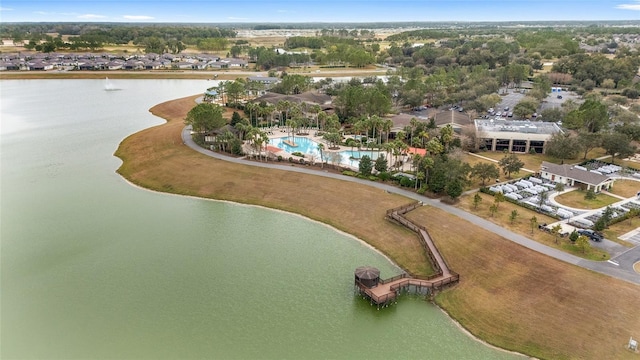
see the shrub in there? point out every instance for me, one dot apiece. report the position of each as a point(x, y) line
point(384, 176)
point(290, 159)
point(350, 173)
point(279, 158)
point(406, 182)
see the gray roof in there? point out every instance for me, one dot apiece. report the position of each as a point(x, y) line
point(517, 126)
point(571, 172)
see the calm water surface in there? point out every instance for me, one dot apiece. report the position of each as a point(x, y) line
point(92, 267)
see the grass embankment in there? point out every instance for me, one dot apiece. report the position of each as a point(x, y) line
point(524, 301)
point(156, 159)
point(509, 296)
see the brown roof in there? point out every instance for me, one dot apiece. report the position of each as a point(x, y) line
point(571, 172)
point(452, 117)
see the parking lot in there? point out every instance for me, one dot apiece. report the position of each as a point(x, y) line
point(552, 101)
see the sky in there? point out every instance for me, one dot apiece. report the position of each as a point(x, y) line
point(279, 11)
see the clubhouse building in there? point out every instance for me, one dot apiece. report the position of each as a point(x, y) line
point(518, 136)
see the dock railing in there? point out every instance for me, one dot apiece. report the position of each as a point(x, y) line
point(396, 214)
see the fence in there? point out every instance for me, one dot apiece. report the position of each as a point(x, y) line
point(425, 241)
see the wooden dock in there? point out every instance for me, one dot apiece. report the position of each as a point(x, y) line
point(387, 291)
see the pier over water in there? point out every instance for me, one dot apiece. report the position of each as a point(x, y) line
point(384, 292)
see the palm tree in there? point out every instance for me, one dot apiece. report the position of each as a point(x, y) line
point(316, 110)
point(414, 124)
point(320, 148)
point(270, 109)
point(387, 124)
point(321, 119)
point(283, 105)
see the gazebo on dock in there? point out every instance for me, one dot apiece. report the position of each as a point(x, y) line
point(367, 276)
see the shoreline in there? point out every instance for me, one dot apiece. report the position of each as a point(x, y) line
point(343, 233)
point(175, 74)
point(464, 305)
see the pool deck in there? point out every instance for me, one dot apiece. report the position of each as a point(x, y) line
point(277, 133)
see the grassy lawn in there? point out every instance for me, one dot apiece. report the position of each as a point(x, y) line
point(576, 199)
point(509, 296)
point(625, 188)
point(613, 232)
point(522, 225)
point(531, 162)
point(475, 183)
point(521, 300)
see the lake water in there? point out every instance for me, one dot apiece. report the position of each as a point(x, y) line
point(92, 267)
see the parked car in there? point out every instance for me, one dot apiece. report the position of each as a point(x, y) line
point(559, 96)
point(510, 114)
point(593, 235)
point(506, 108)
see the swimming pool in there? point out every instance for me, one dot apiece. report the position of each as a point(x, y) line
point(307, 146)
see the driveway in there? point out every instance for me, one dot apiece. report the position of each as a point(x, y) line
point(622, 270)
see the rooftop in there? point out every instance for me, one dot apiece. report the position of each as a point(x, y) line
point(517, 126)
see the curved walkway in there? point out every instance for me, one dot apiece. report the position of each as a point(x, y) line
point(623, 269)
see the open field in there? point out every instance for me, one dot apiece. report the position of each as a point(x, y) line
point(531, 162)
point(524, 301)
point(510, 296)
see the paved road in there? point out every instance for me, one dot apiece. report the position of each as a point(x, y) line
point(622, 269)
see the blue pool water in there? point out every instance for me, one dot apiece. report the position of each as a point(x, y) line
point(310, 147)
point(305, 145)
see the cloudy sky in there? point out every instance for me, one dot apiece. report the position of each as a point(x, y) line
point(209, 11)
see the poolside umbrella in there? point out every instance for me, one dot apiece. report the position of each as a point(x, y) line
point(368, 275)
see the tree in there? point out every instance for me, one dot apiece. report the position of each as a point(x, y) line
point(573, 237)
point(454, 188)
point(484, 171)
point(589, 141)
point(205, 117)
point(513, 216)
point(525, 108)
point(498, 198)
point(493, 209)
point(562, 146)
point(381, 163)
point(320, 149)
point(582, 243)
point(510, 164)
point(591, 115)
point(617, 144)
point(555, 230)
point(534, 223)
point(604, 220)
point(365, 166)
point(477, 199)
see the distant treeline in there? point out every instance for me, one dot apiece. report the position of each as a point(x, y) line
point(110, 33)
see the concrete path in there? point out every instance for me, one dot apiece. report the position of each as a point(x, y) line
point(622, 269)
